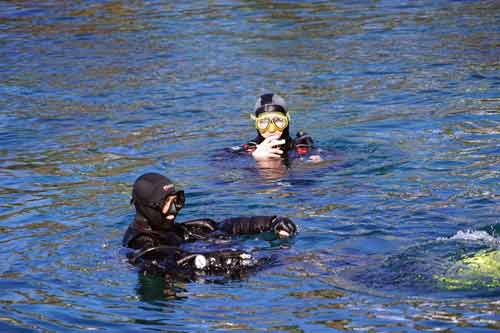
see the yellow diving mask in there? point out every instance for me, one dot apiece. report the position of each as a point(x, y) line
point(264, 120)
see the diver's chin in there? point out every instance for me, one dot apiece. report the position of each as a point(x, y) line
point(274, 136)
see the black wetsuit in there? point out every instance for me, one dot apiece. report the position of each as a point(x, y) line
point(161, 252)
point(302, 145)
point(158, 245)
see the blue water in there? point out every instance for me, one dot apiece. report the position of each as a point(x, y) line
point(403, 97)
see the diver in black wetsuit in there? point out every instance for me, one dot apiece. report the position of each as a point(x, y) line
point(273, 140)
point(157, 241)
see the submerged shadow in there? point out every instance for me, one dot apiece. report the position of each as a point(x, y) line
point(466, 264)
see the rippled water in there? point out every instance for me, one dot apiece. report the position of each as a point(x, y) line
point(403, 95)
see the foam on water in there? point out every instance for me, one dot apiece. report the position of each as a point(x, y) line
point(473, 235)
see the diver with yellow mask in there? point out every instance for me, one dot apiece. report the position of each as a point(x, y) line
point(273, 141)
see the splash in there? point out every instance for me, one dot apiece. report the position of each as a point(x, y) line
point(475, 236)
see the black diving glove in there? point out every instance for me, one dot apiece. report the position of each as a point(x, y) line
point(283, 227)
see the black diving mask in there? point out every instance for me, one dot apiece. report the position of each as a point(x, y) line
point(176, 204)
point(178, 201)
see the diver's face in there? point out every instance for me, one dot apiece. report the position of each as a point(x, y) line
point(173, 204)
point(271, 124)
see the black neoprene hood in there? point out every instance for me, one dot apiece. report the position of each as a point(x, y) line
point(151, 189)
point(270, 103)
point(148, 195)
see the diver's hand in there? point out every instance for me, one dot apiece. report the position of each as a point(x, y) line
point(315, 159)
point(283, 227)
point(269, 148)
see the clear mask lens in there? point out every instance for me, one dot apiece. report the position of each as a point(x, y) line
point(280, 122)
point(263, 123)
point(179, 200)
point(172, 209)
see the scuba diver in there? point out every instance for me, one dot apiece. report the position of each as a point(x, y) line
point(273, 141)
point(158, 244)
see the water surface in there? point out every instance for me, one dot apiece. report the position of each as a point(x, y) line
point(404, 94)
